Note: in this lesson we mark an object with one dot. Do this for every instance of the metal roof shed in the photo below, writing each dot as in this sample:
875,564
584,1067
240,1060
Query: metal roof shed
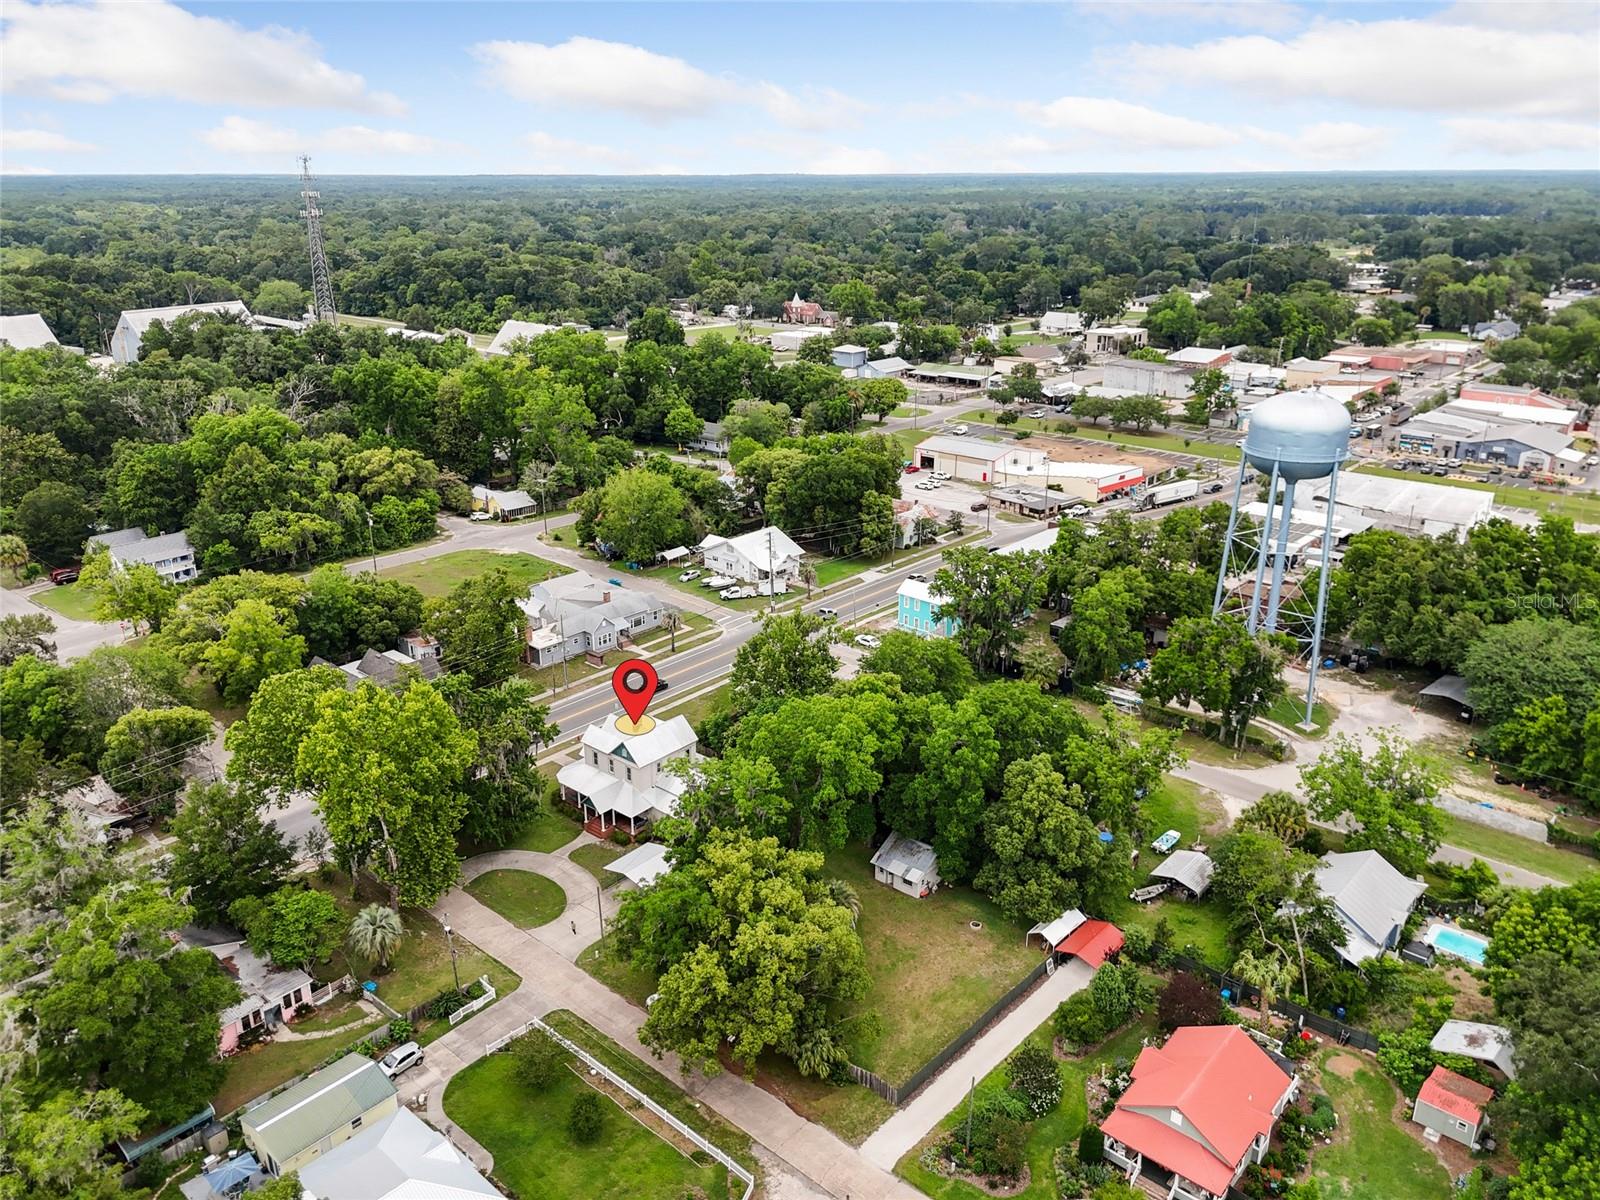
322,1110
1189,868
643,864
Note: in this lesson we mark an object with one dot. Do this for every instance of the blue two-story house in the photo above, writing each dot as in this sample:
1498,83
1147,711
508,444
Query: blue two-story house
918,604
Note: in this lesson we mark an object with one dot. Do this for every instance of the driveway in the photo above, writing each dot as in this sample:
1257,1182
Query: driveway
580,924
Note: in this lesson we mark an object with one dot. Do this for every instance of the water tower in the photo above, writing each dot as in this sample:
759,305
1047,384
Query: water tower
1293,437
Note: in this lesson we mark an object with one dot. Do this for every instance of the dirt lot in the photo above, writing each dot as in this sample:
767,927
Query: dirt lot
1075,450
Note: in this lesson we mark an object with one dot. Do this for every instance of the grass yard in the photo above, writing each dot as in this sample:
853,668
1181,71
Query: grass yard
1373,1158
1291,710
653,1084
525,898
263,1068
595,857
622,977
546,832
1055,1129
1583,507
420,969
1558,863
1202,924
701,707
70,600
850,1110
910,410
932,975
534,1156
1192,810
436,576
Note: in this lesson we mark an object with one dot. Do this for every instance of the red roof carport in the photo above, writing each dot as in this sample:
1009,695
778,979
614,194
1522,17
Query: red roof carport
1093,941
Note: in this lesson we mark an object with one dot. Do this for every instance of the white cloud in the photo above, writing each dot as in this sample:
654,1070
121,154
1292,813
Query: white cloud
590,73
852,160
1270,15
44,140
1515,138
21,169
97,51
1329,142
1120,122
553,155
247,136
1420,65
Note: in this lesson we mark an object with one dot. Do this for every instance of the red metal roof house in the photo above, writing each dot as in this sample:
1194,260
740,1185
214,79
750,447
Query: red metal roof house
1200,1109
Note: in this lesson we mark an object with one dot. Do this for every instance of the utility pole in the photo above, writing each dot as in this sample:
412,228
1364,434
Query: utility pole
372,545
321,286
449,936
772,584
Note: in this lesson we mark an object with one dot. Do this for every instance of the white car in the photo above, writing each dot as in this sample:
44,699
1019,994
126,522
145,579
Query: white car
1078,510
1037,414
939,475
927,485
688,576
868,641
959,430
401,1059
480,516
737,593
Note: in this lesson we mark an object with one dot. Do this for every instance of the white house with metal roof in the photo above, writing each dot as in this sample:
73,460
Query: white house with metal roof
755,557
514,331
134,323
324,1110
576,614
170,554
620,778
907,865
26,331
399,1158
1371,899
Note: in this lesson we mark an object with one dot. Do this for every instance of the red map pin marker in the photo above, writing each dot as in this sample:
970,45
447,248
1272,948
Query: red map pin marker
635,683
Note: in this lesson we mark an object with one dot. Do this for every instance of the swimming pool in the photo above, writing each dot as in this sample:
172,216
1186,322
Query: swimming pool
1459,942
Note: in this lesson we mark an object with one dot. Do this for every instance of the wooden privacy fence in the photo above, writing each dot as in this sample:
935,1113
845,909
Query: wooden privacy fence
898,1095
735,1168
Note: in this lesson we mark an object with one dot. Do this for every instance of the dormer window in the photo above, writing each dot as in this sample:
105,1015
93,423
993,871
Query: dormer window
1177,1118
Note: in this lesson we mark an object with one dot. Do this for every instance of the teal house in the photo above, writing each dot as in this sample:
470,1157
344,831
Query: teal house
918,604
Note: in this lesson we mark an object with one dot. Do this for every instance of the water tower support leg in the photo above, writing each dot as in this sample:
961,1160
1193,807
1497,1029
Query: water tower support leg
1280,557
1227,541
1262,550
1322,600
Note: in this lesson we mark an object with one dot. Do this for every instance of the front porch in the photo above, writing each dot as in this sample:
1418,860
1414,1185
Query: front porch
1151,1178
602,822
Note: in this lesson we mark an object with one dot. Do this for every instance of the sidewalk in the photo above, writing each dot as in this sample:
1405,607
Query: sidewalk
551,982
889,1143
579,926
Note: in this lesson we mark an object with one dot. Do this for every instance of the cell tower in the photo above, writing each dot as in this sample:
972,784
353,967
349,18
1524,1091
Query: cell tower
1293,438
321,287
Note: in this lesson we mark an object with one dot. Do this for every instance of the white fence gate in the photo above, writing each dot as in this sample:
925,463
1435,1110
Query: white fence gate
466,1010
726,1159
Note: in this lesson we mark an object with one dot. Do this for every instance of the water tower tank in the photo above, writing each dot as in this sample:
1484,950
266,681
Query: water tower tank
1307,434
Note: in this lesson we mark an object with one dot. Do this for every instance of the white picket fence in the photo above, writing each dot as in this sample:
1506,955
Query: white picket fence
466,1010
726,1159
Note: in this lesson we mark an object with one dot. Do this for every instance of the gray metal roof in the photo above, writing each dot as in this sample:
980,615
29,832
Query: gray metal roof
320,1103
1473,1039
1188,867
400,1156
1371,898
154,550
1448,687
906,857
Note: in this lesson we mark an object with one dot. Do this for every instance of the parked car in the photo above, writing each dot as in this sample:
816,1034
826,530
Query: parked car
927,485
1211,489
401,1059
1078,510
1592,461
960,431
939,475
688,576
737,593
480,516
978,506
912,468
1497,469
868,641
1167,842
1038,414
63,575
1441,472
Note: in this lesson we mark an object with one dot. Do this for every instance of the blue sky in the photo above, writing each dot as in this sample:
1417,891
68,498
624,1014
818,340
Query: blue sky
596,88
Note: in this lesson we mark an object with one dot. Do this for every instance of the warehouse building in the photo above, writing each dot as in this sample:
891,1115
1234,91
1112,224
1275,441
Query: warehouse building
1409,506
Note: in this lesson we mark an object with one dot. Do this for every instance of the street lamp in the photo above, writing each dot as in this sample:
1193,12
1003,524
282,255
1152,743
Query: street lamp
372,545
449,937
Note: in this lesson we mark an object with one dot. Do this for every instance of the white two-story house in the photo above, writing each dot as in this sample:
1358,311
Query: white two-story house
620,779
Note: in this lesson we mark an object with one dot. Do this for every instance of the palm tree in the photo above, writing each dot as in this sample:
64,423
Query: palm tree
1268,974
13,552
842,894
375,933
808,574
671,619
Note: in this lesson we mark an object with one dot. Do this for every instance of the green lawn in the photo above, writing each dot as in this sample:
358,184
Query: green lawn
525,898
932,974
1045,1136
655,1085
850,1110
594,859
70,600
908,410
1555,861
1583,507
535,1158
1192,810
621,976
258,1070
546,832
1373,1158
436,576
1291,710
701,707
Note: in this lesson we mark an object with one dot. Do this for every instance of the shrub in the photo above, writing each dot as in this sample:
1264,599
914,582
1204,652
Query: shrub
1078,1021
620,837
1091,1144
540,1060
1320,1120
1033,1074
401,1030
587,1119
1137,945
1188,1000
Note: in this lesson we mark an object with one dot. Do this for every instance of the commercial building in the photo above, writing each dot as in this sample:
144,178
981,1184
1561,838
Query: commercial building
767,557
620,777
1092,482
958,374
26,331
883,368
134,323
400,1157
1014,463
792,339
1303,372
325,1109
1561,419
1200,358
578,614
848,357
1454,432
1199,1110
1058,323
1135,376
917,609
170,554
1115,339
